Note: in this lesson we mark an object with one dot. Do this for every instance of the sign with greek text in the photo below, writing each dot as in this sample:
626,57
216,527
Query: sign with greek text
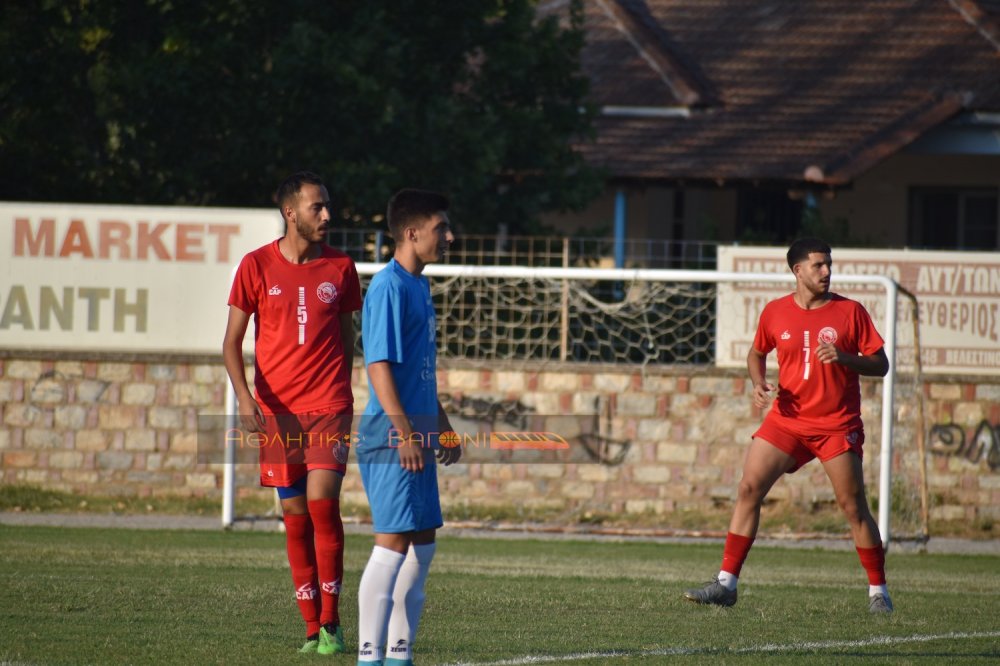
958,295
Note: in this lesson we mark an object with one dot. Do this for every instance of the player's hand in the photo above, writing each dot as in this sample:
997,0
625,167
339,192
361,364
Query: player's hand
827,353
251,416
762,394
411,455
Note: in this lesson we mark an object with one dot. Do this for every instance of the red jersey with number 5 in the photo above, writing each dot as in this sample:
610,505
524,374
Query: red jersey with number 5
816,397
299,357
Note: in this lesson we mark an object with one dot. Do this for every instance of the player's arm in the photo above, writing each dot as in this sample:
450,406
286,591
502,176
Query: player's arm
347,339
411,457
251,415
870,365
757,368
446,456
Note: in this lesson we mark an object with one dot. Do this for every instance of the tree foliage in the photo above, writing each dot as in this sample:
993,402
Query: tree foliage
212,103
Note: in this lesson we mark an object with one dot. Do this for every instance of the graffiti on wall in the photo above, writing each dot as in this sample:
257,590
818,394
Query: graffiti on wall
509,412
593,435
982,442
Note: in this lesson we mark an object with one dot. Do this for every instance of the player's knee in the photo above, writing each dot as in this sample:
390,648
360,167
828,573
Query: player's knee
750,491
853,508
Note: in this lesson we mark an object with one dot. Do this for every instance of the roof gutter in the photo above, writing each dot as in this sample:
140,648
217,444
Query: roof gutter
646,111
978,119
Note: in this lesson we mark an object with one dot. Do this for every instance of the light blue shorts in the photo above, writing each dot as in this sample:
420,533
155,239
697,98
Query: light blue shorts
400,501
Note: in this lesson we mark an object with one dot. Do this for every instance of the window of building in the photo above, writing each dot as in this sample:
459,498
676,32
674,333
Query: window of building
953,218
767,215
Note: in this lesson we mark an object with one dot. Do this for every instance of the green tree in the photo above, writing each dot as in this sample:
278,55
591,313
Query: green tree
212,103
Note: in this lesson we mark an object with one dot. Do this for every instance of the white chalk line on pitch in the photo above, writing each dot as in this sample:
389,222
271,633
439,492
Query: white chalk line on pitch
758,649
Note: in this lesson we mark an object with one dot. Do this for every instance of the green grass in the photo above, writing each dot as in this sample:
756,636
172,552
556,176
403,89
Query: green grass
71,596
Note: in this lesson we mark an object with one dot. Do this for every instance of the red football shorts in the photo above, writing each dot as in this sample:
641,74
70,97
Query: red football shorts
293,444
804,447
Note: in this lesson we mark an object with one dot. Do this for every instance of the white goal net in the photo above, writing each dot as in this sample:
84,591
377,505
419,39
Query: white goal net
566,318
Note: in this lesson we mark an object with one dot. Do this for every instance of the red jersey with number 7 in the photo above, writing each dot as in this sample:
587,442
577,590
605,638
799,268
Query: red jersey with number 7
815,397
299,356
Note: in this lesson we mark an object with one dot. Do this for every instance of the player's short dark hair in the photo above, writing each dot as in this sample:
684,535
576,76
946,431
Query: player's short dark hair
291,186
410,205
803,247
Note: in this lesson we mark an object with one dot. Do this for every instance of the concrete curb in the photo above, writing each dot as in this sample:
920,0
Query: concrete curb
939,545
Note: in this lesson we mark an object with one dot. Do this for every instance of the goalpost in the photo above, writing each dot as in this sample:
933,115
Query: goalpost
648,310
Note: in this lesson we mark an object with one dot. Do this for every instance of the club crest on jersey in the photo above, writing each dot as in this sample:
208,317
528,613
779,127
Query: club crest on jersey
827,335
326,292
274,291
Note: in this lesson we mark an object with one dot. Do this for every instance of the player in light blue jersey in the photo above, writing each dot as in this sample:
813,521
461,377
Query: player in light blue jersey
398,446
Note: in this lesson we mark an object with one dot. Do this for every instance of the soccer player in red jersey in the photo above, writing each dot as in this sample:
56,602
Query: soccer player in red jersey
301,293
824,342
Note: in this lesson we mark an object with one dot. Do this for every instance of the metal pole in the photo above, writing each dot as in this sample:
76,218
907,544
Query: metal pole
229,468
564,314
888,414
620,230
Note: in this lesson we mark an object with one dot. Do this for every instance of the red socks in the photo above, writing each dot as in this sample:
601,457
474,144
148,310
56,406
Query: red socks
873,560
328,531
735,552
302,559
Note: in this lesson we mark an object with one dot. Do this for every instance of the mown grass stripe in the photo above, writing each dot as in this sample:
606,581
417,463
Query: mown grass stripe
807,646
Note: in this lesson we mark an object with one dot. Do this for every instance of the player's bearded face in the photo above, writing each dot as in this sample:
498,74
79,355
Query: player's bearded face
312,215
312,232
814,273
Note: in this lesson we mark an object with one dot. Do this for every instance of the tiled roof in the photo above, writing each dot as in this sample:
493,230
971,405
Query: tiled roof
790,90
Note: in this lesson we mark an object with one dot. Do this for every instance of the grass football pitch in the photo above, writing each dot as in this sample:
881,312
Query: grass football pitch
98,596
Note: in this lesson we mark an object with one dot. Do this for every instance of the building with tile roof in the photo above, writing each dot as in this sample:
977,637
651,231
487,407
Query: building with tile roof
730,118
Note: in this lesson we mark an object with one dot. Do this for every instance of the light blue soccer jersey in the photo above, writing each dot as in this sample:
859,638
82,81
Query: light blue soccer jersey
398,325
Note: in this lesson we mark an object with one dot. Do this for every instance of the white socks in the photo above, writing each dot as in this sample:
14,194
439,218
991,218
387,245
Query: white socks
408,601
375,602
728,580
390,600
878,589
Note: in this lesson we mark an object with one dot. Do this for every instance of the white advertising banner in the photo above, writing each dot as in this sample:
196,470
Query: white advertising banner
958,296
122,278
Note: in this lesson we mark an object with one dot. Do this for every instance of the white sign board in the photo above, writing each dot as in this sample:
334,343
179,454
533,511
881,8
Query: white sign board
958,295
122,278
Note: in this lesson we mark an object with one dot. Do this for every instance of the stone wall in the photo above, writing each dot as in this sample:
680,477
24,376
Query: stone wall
662,440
